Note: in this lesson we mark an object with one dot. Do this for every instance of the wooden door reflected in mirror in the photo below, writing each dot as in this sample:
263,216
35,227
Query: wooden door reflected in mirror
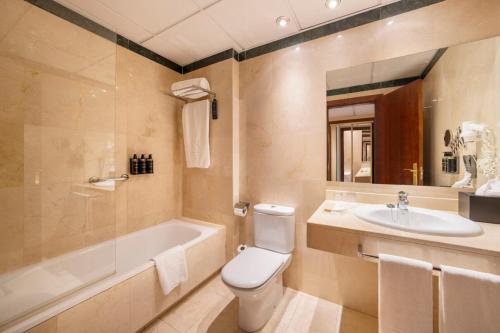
398,121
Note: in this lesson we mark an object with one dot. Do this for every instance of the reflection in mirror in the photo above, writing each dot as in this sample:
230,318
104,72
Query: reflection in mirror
421,119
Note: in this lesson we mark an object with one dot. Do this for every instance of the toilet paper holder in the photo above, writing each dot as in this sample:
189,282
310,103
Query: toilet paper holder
241,208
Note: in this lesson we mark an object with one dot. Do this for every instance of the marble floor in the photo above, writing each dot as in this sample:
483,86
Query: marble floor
212,308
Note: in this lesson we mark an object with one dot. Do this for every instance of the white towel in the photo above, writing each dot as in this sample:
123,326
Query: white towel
469,301
172,268
181,88
404,295
195,125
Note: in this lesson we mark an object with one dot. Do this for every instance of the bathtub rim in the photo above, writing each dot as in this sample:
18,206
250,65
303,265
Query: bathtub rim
78,296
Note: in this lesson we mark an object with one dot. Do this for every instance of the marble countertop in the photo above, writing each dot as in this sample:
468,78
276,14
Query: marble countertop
487,243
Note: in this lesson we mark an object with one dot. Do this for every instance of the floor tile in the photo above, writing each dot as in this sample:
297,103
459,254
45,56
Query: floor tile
192,310
356,322
213,308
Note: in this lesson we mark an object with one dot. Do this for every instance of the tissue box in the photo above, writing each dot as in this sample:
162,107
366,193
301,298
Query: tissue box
479,208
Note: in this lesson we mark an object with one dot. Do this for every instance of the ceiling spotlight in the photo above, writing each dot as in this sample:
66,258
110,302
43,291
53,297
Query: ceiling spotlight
332,3
391,22
282,21
297,48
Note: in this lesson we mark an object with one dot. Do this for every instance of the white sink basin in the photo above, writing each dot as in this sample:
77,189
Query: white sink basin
419,220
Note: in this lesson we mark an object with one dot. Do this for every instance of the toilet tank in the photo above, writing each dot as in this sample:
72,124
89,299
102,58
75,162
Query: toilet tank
274,227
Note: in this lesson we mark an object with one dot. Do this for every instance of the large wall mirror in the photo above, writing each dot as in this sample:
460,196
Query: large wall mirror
424,119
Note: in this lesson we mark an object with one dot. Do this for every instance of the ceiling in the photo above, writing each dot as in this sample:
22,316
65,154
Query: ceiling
188,30
387,70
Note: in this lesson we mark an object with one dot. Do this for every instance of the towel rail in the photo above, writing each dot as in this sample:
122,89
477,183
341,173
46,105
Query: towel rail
361,254
194,90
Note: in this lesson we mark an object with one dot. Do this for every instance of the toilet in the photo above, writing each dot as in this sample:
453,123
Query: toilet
255,275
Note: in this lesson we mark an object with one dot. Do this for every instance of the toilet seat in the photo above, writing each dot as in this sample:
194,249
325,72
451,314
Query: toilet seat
252,268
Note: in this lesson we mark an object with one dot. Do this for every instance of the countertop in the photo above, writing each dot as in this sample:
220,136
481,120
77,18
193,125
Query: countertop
487,243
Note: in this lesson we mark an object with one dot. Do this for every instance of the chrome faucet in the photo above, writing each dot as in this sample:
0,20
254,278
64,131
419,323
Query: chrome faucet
403,200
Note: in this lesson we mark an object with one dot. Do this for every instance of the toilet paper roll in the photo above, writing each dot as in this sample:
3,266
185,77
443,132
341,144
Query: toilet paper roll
241,247
240,211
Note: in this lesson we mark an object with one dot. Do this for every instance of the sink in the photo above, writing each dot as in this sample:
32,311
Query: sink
419,220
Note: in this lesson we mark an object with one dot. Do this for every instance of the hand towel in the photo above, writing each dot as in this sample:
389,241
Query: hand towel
405,295
172,268
469,301
181,88
195,125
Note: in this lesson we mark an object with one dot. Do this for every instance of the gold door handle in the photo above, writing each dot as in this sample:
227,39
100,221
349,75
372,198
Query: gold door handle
414,171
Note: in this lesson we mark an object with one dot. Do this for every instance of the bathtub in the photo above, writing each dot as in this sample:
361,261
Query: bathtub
51,284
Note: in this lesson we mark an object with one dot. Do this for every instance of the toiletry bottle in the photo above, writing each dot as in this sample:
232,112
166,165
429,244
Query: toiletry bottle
134,165
149,164
142,164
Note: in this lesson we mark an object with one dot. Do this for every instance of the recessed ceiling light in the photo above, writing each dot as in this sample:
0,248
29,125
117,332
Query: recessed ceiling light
297,48
391,22
332,3
282,21
339,36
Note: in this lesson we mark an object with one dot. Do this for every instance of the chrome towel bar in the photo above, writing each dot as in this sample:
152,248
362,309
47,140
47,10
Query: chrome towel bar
93,180
361,254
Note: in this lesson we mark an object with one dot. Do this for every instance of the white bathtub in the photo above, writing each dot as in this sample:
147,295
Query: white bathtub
34,286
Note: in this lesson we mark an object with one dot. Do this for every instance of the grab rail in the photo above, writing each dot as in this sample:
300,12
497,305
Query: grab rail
93,179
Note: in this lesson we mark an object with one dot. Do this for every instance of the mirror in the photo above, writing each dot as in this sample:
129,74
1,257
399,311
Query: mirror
421,119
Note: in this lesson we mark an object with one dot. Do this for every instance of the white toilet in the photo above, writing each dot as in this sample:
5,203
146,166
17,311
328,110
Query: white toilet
255,275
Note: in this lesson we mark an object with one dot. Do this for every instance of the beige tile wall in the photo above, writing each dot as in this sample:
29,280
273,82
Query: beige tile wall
57,121
465,81
208,193
74,105
147,121
283,99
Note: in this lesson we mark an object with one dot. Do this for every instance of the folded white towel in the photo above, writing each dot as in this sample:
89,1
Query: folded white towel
405,295
469,301
172,268
195,125
181,88
490,189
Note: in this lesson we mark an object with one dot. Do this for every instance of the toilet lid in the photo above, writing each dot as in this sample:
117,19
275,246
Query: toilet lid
271,209
252,267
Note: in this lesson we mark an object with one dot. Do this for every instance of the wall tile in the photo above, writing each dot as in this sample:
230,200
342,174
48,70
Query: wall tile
283,101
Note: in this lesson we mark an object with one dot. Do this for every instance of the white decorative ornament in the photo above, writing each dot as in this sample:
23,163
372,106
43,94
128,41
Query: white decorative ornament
487,160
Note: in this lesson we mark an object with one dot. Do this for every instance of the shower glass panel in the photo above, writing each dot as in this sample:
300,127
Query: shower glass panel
57,125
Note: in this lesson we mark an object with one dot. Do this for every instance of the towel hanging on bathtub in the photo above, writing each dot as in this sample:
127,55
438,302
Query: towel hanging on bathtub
195,125
172,268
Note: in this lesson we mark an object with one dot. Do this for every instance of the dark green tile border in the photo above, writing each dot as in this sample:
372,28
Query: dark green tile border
134,47
371,86
221,56
73,17
370,16
357,20
439,53
392,83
